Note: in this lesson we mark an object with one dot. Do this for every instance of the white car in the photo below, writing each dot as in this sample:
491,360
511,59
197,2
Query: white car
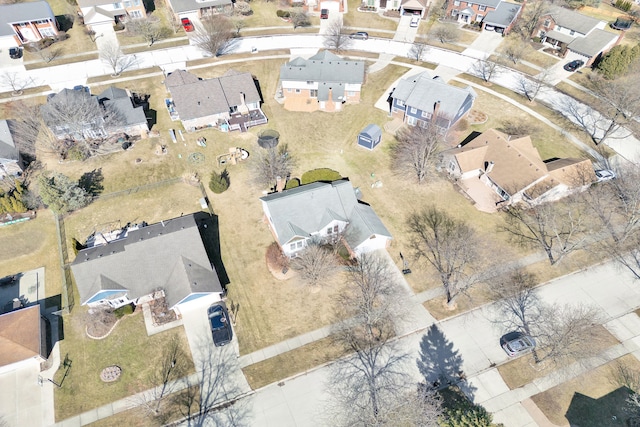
605,175
415,21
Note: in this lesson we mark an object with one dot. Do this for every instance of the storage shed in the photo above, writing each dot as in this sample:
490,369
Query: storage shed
370,137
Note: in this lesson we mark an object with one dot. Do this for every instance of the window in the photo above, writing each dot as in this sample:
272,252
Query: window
329,230
117,5
400,103
42,21
425,114
411,121
479,17
292,247
127,3
313,93
335,228
454,12
47,32
572,33
456,2
452,165
297,90
288,89
135,14
299,244
547,22
136,2
351,93
414,110
482,8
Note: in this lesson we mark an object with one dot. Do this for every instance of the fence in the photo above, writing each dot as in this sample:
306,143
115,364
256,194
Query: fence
68,300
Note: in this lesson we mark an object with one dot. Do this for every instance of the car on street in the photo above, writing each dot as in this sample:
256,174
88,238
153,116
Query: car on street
220,324
360,35
15,52
605,174
415,21
517,344
187,25
573,65
324,14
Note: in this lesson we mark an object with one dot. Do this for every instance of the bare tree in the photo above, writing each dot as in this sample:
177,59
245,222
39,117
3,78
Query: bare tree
365,386
17,81
26,126
238,25
558,228
485,69
315,264
531,16
445,33
416,152
299,18
449,245
49,53
417,50
112,55
530,86
214,34
336,38
271,164
150,28
515,49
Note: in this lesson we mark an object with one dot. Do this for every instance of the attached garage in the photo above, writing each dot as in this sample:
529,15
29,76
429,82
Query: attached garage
413,7
370,137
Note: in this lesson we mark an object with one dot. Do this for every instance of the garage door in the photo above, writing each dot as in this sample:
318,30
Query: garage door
331,5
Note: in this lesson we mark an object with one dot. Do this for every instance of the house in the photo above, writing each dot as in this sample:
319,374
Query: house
10,160
100,15
199,8
584,36
133,120
23,336
513,169
420,99
110,113
497,15
323,82
146,261
321,212
22,23
230,102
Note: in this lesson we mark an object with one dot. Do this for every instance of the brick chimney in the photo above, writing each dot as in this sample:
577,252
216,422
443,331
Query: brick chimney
436,110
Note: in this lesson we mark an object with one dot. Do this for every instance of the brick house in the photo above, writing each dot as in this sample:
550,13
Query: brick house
23,23
323,82
498,14
99,14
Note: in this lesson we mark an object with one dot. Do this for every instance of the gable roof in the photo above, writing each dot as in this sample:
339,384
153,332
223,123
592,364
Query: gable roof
330,71
23,12
119,100
305,210
8,148
180,6
195,98
423,92
168,255
20,335
594,43
503,15
573,20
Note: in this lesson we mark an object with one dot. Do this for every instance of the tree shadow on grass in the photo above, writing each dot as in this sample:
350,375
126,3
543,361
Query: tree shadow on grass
440,364
608,410
92,181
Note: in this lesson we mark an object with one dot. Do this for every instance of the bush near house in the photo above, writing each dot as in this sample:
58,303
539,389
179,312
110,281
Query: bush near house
292,183
617,61
321,174
124,310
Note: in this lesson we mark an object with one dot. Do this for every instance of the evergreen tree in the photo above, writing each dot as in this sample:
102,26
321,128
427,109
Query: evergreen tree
61,194
219,181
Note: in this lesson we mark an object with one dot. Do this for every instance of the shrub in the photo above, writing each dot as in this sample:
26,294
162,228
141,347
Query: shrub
275,258
219,182
121,311
283,13
292,183
617,61
623,5
321,174
537,39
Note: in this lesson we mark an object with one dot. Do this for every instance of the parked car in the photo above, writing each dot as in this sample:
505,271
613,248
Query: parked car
489,27
15,52
574,65
415,21
220,324
605,175
517,344
187,25
324,14
360,35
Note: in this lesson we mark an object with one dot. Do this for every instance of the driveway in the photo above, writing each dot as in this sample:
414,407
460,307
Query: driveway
484,45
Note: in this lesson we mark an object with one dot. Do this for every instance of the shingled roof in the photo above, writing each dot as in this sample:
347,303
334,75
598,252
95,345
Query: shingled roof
21,335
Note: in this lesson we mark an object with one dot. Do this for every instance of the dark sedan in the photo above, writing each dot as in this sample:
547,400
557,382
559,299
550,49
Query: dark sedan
220,324
573,65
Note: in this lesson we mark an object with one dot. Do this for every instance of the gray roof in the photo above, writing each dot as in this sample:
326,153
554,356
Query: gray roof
423,92
504,14
119,100
8,148
181,6
194,98
90,3
168,255
329,70
593,44
304,210
372,130
573,20
561,37
23,12
490,3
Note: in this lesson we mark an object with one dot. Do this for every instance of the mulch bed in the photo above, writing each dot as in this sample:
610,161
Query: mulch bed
160,312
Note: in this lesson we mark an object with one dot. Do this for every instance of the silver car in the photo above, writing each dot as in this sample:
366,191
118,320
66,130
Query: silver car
516,343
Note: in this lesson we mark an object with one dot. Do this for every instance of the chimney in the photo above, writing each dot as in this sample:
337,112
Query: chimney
279,184
488,167
436,109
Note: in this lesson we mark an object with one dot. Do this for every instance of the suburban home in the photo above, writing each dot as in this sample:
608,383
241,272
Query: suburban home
10,160
230,102
496,15
23,337
420,99
110,113
323,82
101,15
22,23
198,9
142,262
320,212
570,31
513,169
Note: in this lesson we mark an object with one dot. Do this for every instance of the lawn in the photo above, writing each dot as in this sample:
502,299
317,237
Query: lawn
590,400
128,347
353,18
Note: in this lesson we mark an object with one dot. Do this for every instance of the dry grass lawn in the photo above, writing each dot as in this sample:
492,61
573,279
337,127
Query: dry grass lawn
523,370
353,18
128,346
585,411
